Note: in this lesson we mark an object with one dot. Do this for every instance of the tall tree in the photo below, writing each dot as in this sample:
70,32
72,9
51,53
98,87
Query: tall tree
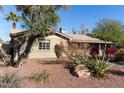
38,19
1,8
74,31
12,16
83,29
109,30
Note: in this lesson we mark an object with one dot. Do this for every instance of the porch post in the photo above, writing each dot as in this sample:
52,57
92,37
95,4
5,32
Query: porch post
76,46
85,45
88,50
100,52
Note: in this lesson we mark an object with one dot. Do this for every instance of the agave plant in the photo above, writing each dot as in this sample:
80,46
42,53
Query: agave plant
99,68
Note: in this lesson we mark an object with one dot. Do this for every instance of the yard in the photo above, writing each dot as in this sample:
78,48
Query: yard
60,76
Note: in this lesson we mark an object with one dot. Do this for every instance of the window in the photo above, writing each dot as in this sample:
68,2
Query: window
44,44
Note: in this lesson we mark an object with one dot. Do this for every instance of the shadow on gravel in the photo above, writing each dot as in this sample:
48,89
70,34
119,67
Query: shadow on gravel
120,63
70,67
117,72
54,62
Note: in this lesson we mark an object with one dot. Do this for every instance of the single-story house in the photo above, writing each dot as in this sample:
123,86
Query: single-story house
44,48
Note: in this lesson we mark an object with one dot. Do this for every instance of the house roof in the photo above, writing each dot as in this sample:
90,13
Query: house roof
71,38
13,31
84,38
16,32
63,35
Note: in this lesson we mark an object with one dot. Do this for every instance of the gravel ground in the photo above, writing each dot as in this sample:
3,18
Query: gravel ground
60,77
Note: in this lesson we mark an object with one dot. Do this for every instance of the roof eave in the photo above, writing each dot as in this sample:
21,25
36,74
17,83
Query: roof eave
83,41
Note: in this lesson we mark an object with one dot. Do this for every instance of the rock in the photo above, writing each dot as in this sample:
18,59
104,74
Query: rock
81,71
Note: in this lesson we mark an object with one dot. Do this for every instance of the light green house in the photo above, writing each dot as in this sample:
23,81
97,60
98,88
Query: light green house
41,48
44,48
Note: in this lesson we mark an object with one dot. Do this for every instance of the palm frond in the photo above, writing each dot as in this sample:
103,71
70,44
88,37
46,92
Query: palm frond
12,16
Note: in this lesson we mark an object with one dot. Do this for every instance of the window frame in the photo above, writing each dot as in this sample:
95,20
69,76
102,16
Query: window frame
45,44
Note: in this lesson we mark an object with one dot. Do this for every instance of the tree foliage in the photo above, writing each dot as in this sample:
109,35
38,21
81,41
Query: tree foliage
1,8
83,30
74,31
109,30
37,19
12,16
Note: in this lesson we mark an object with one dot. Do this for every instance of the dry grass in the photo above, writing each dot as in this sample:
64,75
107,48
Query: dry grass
2,65
10,80
39,76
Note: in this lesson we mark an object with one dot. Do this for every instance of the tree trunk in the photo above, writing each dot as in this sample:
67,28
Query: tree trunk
27,49
14,25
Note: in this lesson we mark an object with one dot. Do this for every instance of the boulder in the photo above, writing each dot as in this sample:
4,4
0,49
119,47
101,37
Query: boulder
81,71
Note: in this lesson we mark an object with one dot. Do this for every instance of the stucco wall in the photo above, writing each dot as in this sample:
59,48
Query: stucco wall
36,53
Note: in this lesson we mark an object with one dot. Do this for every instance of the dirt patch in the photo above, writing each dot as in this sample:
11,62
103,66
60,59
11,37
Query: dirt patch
60,77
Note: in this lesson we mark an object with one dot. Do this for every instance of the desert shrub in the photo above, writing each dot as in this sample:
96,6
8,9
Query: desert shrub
98,68
1,54
6,48
10,80
40,76
2,65
59,49
4,57
81,59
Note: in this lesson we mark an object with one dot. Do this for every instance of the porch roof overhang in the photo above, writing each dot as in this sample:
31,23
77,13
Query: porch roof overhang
86,39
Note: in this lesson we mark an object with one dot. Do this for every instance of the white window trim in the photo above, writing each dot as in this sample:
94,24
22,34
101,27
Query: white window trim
46,48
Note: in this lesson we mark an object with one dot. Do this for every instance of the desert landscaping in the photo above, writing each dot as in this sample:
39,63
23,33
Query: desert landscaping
36,51
60,76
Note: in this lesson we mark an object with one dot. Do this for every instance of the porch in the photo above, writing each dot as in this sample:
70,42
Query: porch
87,48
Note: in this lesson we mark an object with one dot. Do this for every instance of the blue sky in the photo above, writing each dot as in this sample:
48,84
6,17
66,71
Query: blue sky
73,18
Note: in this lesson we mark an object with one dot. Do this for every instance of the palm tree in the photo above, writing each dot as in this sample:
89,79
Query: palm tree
1,8
12,16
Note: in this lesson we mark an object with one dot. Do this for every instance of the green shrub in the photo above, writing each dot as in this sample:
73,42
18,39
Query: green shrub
98,68
59,49
10,80
122,49
6,48
1,54
40,76
2,65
